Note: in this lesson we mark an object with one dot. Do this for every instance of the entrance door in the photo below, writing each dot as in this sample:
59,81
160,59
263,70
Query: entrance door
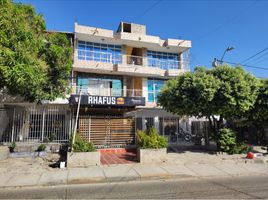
107,131
134,55
134,85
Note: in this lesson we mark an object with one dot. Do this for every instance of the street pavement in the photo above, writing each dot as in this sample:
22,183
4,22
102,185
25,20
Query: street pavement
238,187
23,172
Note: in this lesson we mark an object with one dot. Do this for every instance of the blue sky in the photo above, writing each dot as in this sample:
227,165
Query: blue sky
211,25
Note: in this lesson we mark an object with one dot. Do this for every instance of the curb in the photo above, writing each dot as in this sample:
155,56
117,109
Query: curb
104,180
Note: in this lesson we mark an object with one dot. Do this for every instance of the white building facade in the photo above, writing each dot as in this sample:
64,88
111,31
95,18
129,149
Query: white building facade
120,74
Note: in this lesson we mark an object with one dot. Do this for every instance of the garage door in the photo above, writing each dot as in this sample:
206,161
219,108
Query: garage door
108,131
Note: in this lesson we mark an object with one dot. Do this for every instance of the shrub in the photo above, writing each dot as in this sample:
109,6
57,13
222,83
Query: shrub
41,147
226,140
241,148
12,147
152,140
80,145
46,140
52,137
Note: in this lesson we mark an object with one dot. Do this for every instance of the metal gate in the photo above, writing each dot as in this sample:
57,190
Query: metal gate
37,123
107,131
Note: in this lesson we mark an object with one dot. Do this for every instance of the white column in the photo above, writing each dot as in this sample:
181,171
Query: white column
156,123
124,86
145,88
144,57
124,52
143,123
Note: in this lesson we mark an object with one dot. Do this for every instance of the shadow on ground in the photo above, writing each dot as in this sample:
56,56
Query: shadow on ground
63,157
209,149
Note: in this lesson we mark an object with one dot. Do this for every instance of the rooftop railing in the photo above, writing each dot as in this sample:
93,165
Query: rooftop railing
98,91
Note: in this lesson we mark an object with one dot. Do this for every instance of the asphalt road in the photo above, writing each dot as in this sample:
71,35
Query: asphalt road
255,187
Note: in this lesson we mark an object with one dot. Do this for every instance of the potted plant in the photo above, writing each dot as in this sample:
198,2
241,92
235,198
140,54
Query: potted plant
152,148
83,153
12,147
41,150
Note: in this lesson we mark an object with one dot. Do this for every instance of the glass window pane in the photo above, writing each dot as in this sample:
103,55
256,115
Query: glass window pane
104,45
89,48
81,42
81,53
81,46
96,48
151,97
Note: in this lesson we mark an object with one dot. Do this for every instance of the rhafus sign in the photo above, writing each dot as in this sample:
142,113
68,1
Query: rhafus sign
108,100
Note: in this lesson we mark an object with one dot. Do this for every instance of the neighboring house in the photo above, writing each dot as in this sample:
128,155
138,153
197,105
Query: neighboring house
119,75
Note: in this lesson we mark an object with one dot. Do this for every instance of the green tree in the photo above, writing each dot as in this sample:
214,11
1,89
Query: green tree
224,91
258,116
259,113
33,63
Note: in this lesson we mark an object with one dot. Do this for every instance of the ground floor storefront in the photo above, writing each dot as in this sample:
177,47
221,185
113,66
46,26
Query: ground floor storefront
106,127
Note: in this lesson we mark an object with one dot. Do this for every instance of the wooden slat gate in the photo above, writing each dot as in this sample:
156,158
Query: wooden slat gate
107,131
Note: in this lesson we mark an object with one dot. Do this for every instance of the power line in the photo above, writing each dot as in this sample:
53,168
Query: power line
228,21
149,8
249,66
256,60
254,55
260,61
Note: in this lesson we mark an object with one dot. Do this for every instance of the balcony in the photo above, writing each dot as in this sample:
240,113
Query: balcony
85,90
102,62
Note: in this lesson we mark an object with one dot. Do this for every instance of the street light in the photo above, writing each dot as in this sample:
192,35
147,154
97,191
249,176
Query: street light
228,49
215,62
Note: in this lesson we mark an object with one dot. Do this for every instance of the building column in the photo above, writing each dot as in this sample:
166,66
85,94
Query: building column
145,88
143,123
124,58
181,66
156,123
124,86
144,57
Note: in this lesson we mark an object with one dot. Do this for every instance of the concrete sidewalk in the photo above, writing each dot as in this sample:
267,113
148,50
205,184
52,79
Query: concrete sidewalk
33,176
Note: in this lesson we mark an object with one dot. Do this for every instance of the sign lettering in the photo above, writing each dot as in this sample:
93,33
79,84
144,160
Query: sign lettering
99,100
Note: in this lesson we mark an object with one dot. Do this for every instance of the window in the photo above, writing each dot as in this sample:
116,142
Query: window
99,86
154,87
163,60
99,52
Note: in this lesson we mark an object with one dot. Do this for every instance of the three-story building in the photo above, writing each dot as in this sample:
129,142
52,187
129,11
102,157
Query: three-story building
118,75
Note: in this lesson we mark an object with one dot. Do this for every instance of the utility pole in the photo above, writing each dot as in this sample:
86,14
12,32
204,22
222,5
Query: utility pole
76,119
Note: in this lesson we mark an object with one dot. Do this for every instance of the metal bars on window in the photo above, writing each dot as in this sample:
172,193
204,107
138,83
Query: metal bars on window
35,124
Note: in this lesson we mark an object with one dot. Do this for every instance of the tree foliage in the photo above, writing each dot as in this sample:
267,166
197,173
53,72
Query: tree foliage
224,91
33,63
259,113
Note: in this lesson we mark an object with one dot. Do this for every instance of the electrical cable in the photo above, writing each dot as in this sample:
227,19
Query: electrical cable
227,21
249,66
148,9
247,59
257,59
